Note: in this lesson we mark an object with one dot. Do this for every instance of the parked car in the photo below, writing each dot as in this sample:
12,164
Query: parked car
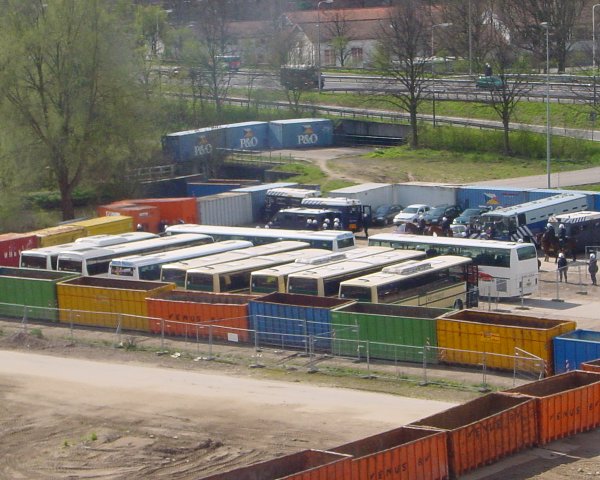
411,213
384,215
491,82
436,214
460,231
469,215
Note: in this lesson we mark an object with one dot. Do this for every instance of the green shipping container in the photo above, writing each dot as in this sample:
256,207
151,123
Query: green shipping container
388,332
33,288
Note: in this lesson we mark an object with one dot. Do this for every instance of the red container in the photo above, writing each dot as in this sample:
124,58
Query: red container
190,313
566,404
401,454
304,465
145,215
591,366
11,246
173,210
486,429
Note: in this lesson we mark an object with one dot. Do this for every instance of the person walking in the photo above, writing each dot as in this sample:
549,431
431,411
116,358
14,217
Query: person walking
593,268
563,266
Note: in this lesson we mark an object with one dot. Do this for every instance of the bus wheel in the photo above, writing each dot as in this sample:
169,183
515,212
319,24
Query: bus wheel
458,304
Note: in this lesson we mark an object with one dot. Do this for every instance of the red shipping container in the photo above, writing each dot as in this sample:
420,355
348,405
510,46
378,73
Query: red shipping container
591,366
145,215
173,210
190,314
404,453
566,404
11,246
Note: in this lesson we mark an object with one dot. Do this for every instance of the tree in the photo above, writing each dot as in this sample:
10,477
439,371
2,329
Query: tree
339,33
68,85
403,41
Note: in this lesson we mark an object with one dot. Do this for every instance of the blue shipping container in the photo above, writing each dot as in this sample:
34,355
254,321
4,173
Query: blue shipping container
204,189
168,187
193,144
287,320
476,196
258,193
574,348
247,136
301,133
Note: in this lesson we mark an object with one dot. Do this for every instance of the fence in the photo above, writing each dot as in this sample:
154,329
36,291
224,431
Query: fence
303,350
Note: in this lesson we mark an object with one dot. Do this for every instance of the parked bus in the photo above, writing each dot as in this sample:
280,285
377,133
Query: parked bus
47,257
285,197
274,279
235,276
527,220
325,281
506,269
329,239
148,267
582,227
175,272
446,281
350,212
95,261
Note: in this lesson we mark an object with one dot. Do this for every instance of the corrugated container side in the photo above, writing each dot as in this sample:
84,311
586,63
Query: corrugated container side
48,237
404,453
300,133
247,136
476,196
114,301
11,246
190,314
193,144
173,210
106,225
573,348
427,193
304,465
566,404
373,194
591,366
382,327
145,215
486,429
497,333
258,194
228,209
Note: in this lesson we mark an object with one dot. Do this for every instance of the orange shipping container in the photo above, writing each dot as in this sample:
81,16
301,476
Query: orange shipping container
566,404
485,429
145,215
106,301
173,210
404,453
190,313
592,366
304,465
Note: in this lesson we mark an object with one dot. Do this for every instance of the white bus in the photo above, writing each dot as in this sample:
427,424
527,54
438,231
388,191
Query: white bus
95,261
175,272
325,281
446,281
235,276
506,269
334,240
47,257
147,267
274,279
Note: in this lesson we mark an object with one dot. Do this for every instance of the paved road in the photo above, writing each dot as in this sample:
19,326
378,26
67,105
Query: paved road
586,176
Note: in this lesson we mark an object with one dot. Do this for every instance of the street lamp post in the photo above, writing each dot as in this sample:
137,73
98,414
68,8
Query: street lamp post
470,43
594,38
319,43
433,27
546,26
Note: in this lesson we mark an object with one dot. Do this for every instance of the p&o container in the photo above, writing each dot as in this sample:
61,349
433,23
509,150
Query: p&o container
573,348
33,289
247,136
300,133
191,313
48,237
226,209
112,225
479,196
108,302
484,430
11,246
288,319
190,145
472,336
566,404
304,465
390,332
404,453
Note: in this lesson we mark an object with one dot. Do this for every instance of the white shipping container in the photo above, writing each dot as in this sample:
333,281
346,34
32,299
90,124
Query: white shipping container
228,208
423,192
374,194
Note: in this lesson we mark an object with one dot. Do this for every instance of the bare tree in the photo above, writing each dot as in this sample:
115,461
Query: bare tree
339,32
402,57
524,17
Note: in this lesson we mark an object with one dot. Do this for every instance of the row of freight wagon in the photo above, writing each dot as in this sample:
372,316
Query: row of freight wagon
453,442
331,325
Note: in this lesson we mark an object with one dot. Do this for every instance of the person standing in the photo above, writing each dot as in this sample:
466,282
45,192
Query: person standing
563,266
593,268
366,223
